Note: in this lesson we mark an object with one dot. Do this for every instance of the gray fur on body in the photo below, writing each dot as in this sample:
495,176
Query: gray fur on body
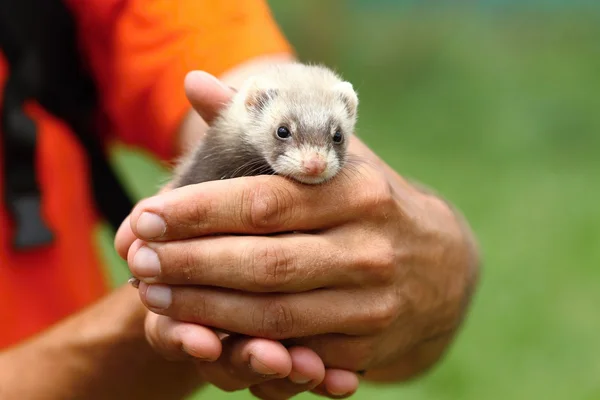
216,159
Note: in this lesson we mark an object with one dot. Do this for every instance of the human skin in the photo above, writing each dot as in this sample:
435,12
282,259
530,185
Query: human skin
379,279
102,352
301,367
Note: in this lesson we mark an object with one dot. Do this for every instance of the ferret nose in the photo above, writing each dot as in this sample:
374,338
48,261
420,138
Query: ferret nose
314,165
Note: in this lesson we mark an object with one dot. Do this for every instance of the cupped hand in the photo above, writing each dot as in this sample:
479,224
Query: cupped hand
366,270
367,274
234,362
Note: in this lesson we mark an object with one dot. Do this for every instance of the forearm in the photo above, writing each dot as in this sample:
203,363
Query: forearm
100,353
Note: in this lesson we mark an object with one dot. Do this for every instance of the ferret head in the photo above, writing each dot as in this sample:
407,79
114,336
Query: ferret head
301,122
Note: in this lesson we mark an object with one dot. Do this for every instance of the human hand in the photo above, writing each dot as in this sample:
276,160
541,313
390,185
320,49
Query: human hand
376,279
237,362
266,367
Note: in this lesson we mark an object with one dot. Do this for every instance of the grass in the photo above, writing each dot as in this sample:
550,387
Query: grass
498,110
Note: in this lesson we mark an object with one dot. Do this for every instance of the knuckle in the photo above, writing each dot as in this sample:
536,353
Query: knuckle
378,197
271,266
275,320
385,312
379,263
267,206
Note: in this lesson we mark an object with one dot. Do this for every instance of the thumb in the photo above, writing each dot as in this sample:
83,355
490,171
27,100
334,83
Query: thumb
207,94
125,237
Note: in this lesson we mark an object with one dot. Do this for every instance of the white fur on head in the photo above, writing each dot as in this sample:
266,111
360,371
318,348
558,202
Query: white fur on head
257,99
348,95
313,94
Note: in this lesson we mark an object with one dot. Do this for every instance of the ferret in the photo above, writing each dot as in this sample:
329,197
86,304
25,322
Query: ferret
292,120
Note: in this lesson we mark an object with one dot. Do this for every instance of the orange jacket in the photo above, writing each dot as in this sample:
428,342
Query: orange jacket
138,53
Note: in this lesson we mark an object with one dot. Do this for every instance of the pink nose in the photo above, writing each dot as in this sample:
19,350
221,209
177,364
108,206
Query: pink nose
314,165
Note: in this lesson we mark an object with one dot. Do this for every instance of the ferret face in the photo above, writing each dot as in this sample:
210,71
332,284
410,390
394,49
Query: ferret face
310,153
303,134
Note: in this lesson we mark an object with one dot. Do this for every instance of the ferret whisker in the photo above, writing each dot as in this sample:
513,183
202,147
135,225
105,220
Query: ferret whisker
248,169
356,160
253,172
350,172
240,169
217,150
351,166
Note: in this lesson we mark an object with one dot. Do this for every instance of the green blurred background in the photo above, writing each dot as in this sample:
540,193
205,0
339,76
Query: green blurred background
496,105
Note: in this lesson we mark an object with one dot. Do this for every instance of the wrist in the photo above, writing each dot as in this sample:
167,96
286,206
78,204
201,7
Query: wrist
462,240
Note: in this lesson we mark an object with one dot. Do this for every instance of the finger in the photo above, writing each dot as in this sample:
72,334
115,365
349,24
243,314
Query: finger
273,316
206,93
178,340
357,351
307,372
246,362
338,384
286,263
124,238
307,367
257,205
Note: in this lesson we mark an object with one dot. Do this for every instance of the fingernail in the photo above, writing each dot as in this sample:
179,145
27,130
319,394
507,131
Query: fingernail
259,367
334,393
145,263
298,378
158,296
150,226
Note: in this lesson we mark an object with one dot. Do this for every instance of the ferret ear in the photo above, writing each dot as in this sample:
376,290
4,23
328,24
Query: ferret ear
348,95
257,99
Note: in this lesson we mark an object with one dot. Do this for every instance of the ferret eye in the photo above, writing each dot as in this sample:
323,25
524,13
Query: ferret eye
338,137
283,132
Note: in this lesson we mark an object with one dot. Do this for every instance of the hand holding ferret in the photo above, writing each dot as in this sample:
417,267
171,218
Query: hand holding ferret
365,270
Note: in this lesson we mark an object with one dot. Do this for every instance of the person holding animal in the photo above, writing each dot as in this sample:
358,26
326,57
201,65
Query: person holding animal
258,283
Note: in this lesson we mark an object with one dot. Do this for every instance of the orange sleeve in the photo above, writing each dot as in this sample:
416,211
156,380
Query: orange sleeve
141,50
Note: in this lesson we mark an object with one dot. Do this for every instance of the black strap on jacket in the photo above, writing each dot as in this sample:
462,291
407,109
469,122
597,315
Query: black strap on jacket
38,39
